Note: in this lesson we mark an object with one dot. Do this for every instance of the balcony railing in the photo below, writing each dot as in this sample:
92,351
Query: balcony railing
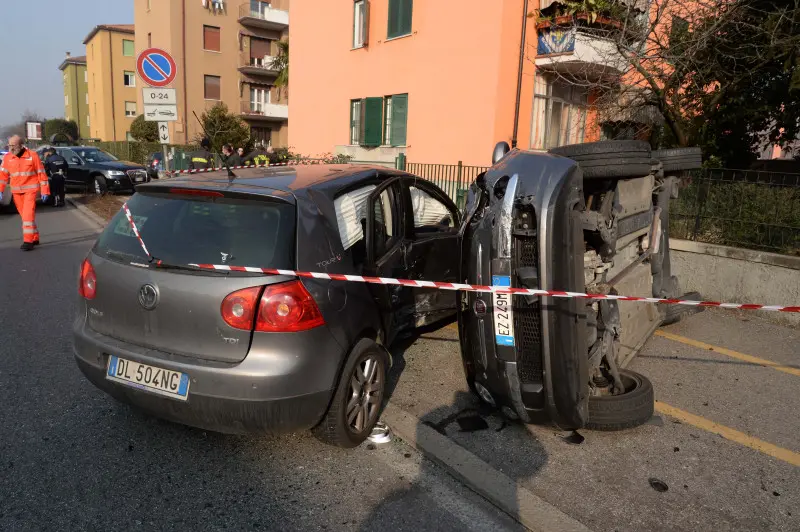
576,51
265,111
257,65
263,16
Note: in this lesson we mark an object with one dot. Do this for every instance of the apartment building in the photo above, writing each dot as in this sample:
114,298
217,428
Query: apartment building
440,81
111,75
223,50
76,92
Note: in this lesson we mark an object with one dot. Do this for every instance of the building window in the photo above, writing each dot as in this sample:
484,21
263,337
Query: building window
260,52
87,98
211,39
355,121
149,40
559,114
86,76
88,123
127,48
395,118
259,98
399,18
130,109
258,8
212,88
130,79
360,23
66,100
261,136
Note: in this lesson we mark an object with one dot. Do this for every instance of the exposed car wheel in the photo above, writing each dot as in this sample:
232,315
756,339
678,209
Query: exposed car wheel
624,411
680,159
358,398
676,313
609,158
99,185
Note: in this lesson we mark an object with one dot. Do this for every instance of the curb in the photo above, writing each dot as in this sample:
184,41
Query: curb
526,508
87,213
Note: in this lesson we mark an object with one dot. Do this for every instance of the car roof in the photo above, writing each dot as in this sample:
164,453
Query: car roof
329,179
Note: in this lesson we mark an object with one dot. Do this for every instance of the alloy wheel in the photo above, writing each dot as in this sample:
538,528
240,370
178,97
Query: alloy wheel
366,393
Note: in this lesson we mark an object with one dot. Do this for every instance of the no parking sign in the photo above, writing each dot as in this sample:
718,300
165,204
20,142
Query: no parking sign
156,67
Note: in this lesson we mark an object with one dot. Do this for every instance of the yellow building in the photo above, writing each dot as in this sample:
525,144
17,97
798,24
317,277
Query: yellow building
223,51
76,92
113,87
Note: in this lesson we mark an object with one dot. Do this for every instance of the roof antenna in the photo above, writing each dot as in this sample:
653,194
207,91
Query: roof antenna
231,175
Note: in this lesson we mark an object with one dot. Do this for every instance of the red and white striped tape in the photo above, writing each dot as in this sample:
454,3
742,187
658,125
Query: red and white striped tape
135,229
493,289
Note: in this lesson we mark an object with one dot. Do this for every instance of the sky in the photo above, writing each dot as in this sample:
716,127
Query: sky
34,38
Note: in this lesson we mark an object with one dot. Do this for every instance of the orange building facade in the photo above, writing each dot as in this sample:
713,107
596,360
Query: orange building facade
437,81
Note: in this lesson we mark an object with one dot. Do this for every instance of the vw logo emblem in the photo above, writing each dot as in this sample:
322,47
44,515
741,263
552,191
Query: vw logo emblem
148,297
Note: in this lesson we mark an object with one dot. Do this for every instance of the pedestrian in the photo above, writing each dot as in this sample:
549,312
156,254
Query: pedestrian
56,167
23,170
202,159
230,157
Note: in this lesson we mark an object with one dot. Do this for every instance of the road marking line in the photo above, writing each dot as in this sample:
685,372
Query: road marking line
741,438
729,352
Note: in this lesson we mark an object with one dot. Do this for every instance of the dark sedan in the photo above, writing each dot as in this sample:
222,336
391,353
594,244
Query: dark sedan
93,169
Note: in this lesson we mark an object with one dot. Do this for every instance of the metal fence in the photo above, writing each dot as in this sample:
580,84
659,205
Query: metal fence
454,179
740,208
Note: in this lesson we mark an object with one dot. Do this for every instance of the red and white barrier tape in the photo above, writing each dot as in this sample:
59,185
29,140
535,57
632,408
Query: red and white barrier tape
135,230
493,289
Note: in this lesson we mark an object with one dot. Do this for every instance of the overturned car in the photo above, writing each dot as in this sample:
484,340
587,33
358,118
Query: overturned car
584,218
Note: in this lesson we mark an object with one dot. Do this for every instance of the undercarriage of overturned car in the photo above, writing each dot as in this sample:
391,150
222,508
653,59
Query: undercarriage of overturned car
588,218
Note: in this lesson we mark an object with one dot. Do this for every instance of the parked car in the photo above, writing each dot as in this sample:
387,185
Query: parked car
234,351
592,218
93,169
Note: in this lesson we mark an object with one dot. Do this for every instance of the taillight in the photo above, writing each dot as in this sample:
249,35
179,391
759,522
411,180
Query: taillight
239,308
87,287
284,307
288,307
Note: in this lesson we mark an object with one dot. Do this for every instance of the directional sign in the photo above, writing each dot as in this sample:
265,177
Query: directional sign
156,67
160,113
163,133
159,97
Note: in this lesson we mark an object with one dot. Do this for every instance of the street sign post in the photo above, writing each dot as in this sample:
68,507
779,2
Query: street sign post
160,113
163,133
156,67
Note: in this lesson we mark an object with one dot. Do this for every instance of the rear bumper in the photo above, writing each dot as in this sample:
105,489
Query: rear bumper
230,398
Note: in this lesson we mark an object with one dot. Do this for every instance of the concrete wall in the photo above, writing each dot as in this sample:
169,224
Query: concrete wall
735,275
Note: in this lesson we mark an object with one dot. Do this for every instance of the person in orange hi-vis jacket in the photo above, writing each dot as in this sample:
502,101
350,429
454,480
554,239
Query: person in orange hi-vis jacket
24,171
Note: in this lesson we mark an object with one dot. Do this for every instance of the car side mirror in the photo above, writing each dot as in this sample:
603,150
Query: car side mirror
500,150
75,160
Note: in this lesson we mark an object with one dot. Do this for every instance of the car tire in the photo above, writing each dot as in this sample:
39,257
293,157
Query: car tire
678,159
99,185
338,427
609,158
628,410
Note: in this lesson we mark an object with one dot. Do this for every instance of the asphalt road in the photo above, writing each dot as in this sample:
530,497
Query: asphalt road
73,459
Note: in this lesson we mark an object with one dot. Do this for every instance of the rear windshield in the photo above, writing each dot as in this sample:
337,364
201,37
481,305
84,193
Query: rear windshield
182,230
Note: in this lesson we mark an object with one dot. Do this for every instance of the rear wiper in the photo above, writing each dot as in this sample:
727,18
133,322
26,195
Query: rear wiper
159,264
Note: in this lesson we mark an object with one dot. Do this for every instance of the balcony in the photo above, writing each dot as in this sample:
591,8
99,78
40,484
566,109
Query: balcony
259,111
578,52
263,16
257,66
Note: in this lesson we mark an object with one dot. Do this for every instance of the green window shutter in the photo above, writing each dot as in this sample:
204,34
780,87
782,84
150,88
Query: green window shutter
373,122
399,119
399,18
127,48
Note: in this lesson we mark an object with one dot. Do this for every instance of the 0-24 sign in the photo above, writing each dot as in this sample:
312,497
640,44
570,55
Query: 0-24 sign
153,96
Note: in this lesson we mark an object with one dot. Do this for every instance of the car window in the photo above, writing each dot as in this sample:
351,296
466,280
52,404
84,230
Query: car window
383,216
197,230
430,214
93,155
66,154
351,215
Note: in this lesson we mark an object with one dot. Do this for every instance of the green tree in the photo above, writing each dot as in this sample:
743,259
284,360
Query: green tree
224,127
143,130
281,63
56,126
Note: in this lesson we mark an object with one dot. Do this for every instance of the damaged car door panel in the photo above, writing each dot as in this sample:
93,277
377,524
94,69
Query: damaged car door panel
535,220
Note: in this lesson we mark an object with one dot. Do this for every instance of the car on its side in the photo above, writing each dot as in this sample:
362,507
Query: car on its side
96,170
199,334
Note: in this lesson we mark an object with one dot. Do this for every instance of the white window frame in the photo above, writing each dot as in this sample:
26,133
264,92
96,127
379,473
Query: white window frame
129,78
387,120
86,76
574,108
260,97
359,23
355,125
130,114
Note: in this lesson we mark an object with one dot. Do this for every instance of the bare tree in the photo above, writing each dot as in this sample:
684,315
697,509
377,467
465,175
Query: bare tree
645,62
